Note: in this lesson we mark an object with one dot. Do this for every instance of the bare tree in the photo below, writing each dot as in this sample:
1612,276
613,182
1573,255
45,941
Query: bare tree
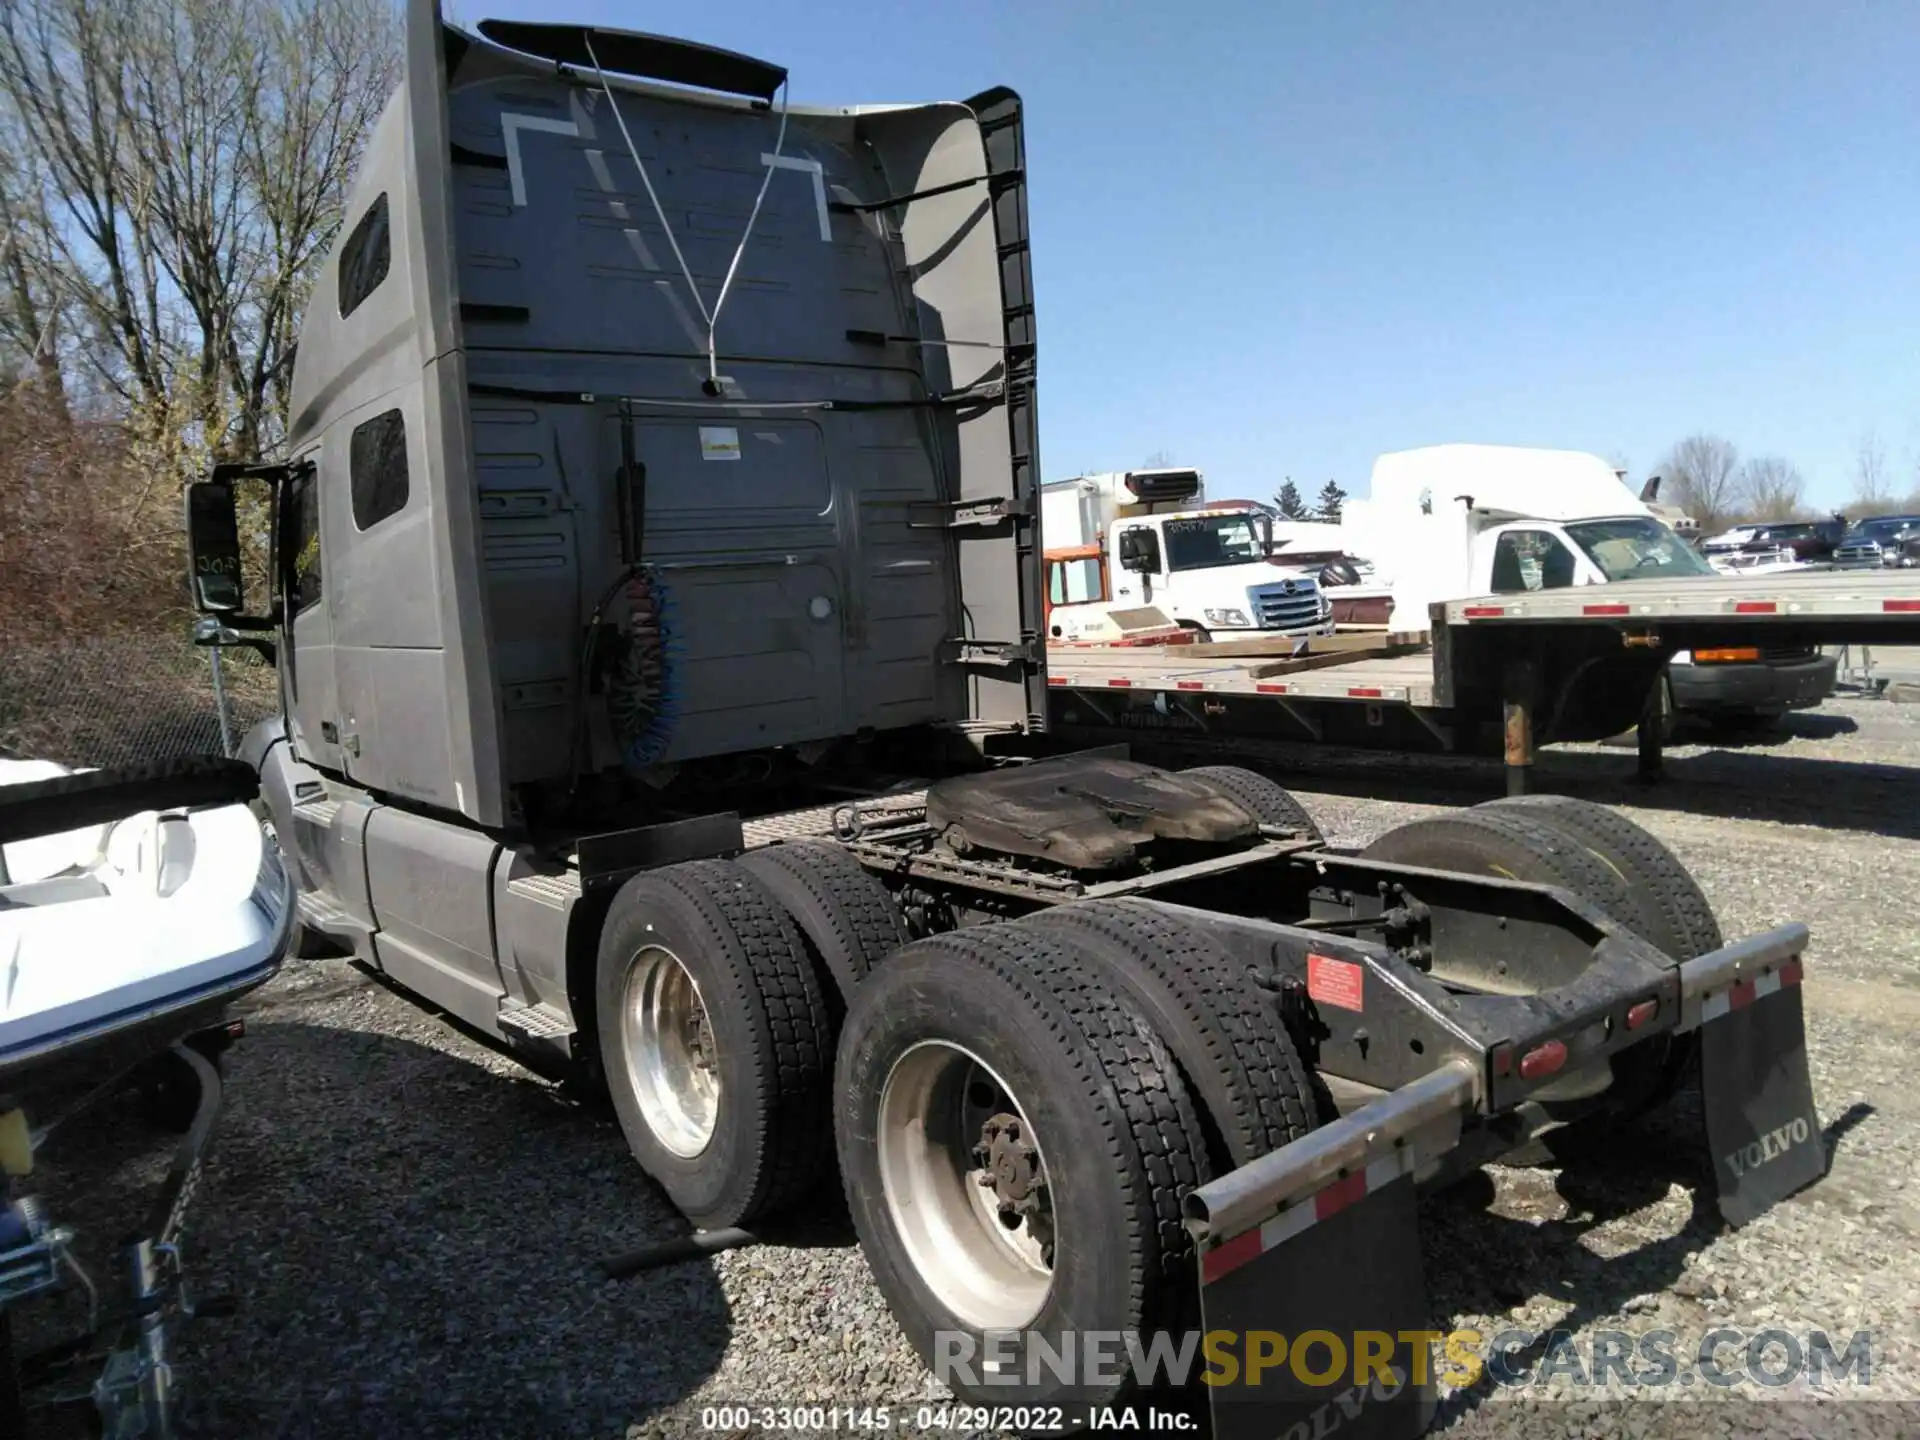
186,161
1159,460
1771,488
1698,476
31,311
1872,476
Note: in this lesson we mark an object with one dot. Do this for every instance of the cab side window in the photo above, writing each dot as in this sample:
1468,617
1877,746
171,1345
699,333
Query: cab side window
1082,580
301,496
1530,560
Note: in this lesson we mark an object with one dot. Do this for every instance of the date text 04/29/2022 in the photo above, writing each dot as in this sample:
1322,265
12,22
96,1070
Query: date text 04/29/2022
945,1419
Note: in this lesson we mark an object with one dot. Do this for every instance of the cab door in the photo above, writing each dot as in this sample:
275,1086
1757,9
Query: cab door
308,687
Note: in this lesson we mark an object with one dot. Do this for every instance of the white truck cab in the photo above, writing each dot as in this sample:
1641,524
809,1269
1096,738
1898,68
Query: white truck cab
1131,539
1448,521
1452,521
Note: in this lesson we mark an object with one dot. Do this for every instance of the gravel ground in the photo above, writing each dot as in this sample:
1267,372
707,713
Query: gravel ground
411,1221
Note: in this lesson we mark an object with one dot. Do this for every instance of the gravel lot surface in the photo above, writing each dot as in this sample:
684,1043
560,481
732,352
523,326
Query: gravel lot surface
411,1220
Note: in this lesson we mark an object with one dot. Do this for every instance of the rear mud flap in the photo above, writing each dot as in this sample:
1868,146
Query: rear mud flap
1305,1337
1311,1286
1757,1093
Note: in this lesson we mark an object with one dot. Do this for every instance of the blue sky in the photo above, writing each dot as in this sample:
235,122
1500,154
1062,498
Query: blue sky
1278,239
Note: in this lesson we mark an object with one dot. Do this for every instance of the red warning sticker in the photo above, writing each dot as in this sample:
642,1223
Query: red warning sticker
1334,982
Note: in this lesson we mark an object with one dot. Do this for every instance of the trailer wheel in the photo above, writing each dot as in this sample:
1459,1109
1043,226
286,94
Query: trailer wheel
846,916
1269,803
715,1040
1224,1033
1015,1142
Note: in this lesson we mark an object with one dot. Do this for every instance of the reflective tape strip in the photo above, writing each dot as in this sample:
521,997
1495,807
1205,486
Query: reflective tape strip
1189,685
1743,993
1303,1215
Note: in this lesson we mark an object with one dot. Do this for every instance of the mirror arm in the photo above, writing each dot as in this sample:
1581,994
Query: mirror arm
229,472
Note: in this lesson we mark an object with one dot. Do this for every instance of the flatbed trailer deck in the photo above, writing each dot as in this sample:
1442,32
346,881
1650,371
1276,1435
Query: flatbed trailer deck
1515,671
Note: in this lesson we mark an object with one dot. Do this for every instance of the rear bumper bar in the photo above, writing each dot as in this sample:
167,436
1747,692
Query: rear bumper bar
1418,1123
1351,1184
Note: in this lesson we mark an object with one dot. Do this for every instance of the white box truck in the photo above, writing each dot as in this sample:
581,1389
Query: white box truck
1136,538
1446,522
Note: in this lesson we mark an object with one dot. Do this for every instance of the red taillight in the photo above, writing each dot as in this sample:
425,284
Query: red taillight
236,1029
1542,1060
1639,1014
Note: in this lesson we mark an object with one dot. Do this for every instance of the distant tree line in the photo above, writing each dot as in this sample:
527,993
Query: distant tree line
1706,476
1289,503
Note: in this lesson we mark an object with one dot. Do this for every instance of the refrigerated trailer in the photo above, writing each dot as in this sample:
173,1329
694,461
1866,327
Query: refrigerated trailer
655,592
1502,672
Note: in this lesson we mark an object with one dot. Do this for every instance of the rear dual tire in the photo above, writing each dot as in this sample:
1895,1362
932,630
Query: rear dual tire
716,1041
1136,1063
1104,1105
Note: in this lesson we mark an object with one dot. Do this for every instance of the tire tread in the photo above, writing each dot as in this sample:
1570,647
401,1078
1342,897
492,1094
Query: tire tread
1270,802
1244,1056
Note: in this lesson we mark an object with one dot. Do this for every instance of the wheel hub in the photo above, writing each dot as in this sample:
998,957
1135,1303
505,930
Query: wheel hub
671,1055
1009,1165
966,1182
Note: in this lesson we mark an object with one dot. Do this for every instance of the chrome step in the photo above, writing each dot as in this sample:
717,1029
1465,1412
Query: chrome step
533,1022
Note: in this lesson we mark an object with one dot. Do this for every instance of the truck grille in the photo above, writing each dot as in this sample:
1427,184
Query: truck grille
1288,605
1867,554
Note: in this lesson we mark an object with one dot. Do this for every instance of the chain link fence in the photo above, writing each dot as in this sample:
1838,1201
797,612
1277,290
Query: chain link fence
121,699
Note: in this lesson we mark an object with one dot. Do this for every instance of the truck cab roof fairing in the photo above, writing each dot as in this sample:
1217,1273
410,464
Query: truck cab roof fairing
649,57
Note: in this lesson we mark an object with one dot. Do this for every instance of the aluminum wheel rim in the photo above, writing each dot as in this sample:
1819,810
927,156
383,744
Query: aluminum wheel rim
990,1274
670,1054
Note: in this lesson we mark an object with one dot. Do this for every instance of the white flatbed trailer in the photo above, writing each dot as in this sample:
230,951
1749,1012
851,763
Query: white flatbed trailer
1574,664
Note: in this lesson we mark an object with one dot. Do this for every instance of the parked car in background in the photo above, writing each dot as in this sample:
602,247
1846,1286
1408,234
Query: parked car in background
1809,539
1883,540
1789,542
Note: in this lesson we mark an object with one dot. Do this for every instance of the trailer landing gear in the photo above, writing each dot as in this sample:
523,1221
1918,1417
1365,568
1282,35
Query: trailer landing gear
1517,706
